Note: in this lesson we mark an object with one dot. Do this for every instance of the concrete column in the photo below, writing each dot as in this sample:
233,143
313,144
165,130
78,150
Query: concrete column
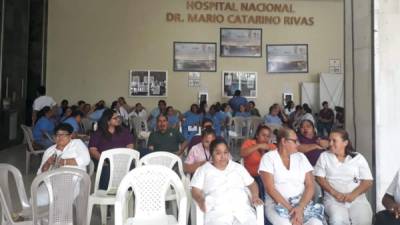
387,92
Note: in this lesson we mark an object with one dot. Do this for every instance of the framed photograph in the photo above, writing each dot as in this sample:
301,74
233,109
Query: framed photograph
286,97
240,42
246,82
195,56
291,58
147,83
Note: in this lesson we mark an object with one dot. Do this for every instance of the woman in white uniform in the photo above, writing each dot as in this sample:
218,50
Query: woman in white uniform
288,181
344,176
391,201
220,187
66,152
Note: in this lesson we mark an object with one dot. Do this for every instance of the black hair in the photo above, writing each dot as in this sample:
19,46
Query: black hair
215,143
64,102
76,113
194,105
43,112
349,150
41,90
81,102
252,102
103,123
99,105
206,120
162,102
64,127
208,131
307,108
223,106
237,93
114,105
324,102
202,107
298,107
260,128
161,115
74,107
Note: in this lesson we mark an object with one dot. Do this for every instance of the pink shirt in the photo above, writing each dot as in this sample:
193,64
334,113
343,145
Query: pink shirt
197,154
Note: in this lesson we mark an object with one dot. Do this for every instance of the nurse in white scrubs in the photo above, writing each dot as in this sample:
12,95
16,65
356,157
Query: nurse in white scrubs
345,176
289,183
220,188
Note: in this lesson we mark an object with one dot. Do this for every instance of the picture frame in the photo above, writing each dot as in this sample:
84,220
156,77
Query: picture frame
195,56
148,83
241,42
244,81
286,97
287,58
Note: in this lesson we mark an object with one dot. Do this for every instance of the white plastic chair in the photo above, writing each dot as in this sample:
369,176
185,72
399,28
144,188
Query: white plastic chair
140,128
7,203
199,215
149,184
86,124
120,161
172,162
238,132
252,124
28,137
68,191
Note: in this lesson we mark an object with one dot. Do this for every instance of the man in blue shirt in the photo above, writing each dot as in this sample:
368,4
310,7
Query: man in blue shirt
236,101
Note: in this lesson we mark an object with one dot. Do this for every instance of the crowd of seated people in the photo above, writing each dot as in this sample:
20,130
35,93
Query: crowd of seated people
281,172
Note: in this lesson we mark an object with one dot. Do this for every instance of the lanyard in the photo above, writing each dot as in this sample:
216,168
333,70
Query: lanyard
205,154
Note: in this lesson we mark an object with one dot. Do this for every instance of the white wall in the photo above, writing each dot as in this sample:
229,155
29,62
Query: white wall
93,44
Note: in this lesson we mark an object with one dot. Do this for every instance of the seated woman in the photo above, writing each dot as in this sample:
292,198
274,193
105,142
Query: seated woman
173,120
252,109
273,117
310,144
43,125
253,149
199,153
344,176
242,112
391,202
191,121
219,189
110,134
289,183
66,152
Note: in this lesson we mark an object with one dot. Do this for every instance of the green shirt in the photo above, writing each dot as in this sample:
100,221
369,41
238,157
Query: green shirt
168,141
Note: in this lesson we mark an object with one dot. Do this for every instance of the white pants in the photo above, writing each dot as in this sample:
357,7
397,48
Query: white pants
230,220
276,219
358,212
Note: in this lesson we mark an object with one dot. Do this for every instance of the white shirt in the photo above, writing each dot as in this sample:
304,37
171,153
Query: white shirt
289,183
123,113
43,101
224,190
342,176
394,188
75,149
142,114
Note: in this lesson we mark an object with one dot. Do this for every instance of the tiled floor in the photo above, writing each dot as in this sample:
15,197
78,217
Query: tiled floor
16,157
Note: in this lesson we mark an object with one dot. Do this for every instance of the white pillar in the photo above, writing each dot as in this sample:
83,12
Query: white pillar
387,93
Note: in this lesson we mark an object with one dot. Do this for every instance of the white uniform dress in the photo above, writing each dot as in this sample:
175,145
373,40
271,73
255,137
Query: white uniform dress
226,198
43,101
74,149
288,182
394,188
344,177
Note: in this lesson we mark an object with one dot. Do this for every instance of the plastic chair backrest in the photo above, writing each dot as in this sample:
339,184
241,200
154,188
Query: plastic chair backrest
120,161
28,136
166,159
90,168
253,123
149,184
238,124
68,191
86,124
139,124
5,171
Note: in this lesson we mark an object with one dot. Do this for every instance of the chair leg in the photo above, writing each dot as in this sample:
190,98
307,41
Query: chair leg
89,213
103,214
27,162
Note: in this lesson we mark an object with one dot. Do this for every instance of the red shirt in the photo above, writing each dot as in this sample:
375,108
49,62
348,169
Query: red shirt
252,161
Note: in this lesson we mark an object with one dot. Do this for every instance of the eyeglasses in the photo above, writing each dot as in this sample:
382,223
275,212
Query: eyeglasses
294,140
